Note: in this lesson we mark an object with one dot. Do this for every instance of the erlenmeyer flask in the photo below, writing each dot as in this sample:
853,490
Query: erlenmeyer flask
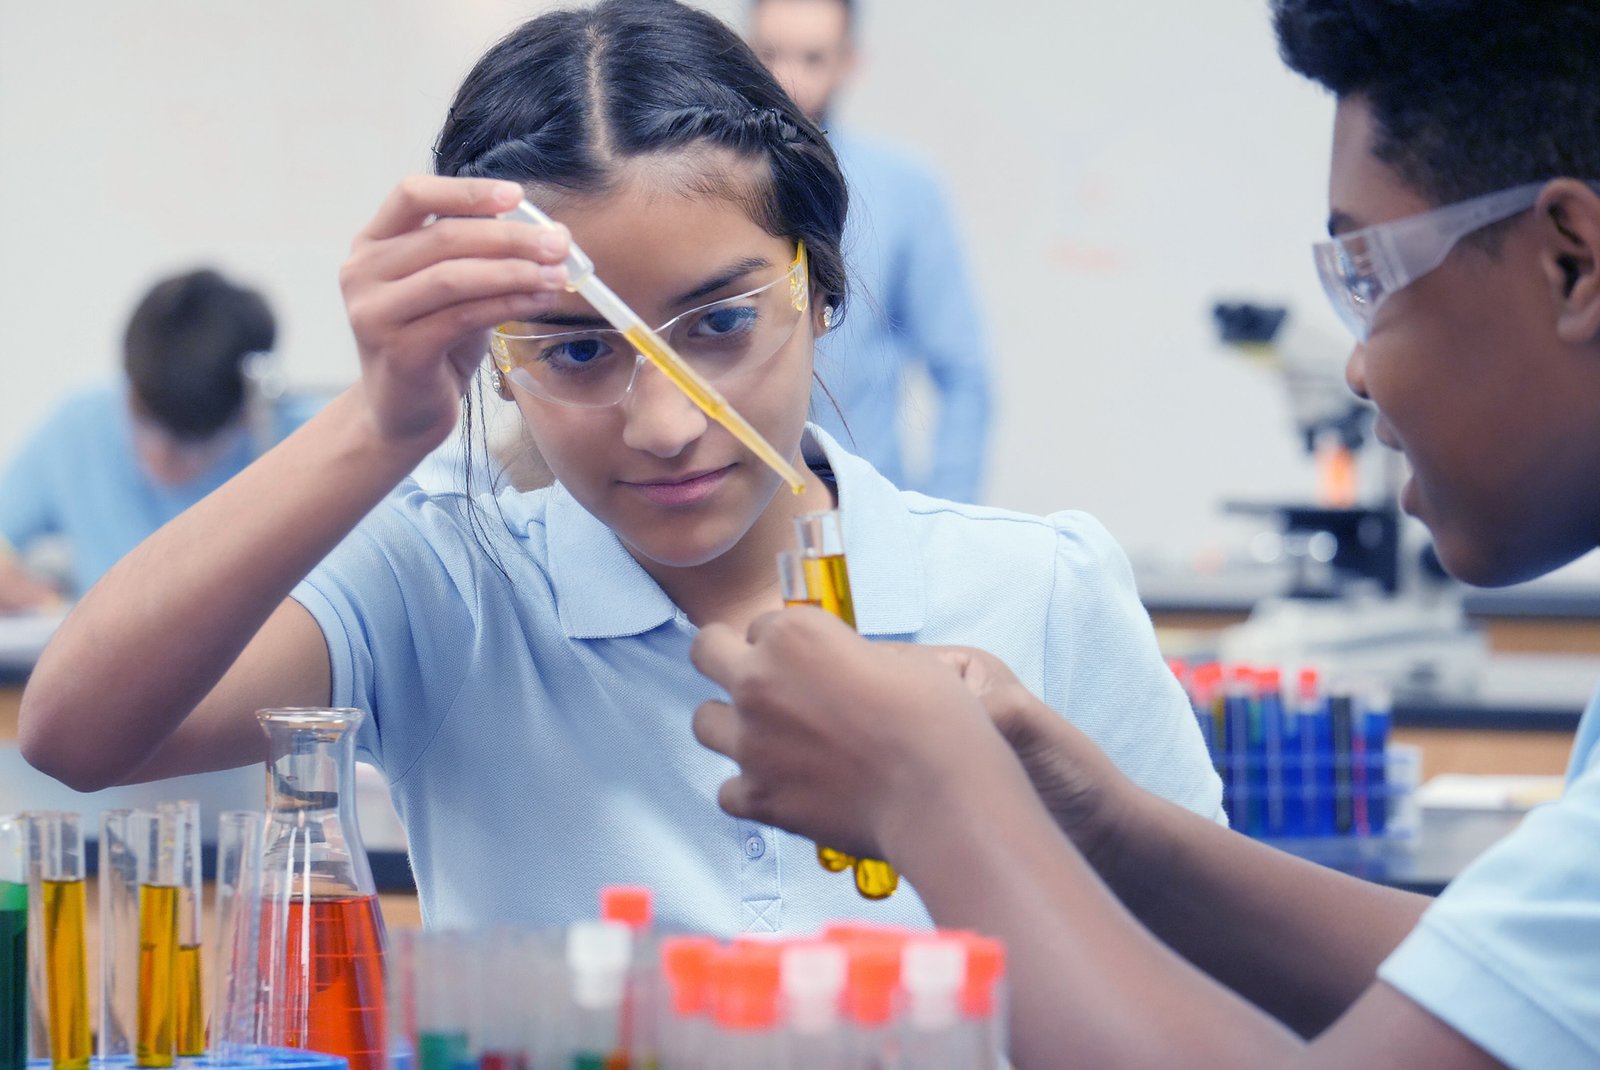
321,932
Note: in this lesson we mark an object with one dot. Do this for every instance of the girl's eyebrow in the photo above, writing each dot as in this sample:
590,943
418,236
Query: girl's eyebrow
733,271
582,321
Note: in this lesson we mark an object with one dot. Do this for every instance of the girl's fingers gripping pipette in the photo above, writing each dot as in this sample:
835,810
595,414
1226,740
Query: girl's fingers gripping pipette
582,279
423,284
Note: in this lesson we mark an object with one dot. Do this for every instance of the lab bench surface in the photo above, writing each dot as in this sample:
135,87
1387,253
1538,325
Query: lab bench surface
1448,842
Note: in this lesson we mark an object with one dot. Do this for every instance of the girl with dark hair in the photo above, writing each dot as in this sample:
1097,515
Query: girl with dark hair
530,693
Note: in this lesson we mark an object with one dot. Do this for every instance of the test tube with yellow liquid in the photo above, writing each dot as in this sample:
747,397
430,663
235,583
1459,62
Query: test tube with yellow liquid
827,583
188,1005
58,852
157,843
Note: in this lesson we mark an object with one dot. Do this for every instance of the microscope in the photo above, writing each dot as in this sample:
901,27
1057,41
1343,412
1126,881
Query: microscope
1360,604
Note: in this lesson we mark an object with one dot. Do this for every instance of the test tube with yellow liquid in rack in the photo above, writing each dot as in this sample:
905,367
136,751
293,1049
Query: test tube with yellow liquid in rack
57,849
827,583
188,1003
156,842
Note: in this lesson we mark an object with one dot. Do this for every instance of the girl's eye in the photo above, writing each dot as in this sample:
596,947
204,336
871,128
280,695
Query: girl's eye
729,321
575,353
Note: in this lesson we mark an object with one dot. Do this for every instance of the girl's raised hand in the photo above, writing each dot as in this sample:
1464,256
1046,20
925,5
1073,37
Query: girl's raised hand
426,280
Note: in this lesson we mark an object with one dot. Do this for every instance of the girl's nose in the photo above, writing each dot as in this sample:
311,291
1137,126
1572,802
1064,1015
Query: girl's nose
657,417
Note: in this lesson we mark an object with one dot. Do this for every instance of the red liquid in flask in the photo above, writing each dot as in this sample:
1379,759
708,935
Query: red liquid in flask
345,1002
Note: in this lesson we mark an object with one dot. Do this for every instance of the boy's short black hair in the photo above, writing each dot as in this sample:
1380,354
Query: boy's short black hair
1468,96
183,349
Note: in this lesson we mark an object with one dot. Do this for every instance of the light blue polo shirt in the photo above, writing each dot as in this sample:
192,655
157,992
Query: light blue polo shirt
1509,954
534,723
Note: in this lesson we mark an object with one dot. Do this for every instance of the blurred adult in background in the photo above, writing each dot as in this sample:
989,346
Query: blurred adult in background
115,461
911,301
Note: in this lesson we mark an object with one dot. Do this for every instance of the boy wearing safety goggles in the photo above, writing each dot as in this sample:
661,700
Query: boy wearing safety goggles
1465,255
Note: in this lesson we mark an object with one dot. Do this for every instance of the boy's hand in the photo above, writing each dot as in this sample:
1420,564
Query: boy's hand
850,743
1083,789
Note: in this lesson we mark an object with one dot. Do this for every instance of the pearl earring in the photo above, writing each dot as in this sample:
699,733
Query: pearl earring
496,383
827,317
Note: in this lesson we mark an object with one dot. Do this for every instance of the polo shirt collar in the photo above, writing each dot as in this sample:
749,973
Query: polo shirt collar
603,593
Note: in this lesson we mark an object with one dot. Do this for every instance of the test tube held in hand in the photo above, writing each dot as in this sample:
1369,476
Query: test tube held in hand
827,578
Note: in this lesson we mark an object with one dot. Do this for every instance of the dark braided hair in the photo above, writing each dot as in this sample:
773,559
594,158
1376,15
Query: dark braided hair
566,97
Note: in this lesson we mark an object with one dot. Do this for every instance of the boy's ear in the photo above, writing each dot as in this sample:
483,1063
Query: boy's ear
1571,257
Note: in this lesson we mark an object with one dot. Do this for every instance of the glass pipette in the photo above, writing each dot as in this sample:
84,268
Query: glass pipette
582,279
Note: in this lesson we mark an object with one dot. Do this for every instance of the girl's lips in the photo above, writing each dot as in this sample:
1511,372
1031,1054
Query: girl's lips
683,491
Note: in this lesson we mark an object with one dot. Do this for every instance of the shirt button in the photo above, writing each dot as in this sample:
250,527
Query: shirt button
754,846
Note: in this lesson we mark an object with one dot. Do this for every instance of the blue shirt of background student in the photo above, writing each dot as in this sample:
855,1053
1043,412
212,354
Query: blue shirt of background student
531,710
910,304
77,476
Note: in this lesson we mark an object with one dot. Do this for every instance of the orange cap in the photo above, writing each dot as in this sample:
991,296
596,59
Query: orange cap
846,931
745,982
986,964
686,962
626,904
873,976
1309,682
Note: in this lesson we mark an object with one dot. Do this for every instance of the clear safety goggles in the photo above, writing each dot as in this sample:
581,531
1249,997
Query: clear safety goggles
594,369
1360,270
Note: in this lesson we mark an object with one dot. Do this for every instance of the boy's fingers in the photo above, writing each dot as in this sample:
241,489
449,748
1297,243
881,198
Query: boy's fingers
716,726
716,651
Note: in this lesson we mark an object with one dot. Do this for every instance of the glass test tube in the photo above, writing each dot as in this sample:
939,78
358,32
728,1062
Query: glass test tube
188,996
13,942
792,580
157,840
58,850
118,878
441,962
821,539
827,577
234,1021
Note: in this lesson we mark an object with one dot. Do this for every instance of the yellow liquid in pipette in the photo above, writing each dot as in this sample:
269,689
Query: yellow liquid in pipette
828,581
66,974
673,367
158,951
187,1008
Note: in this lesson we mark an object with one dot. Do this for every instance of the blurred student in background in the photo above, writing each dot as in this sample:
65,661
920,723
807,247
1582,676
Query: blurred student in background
115,461
912,304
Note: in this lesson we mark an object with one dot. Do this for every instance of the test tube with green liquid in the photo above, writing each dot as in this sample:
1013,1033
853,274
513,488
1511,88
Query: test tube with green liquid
13,942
